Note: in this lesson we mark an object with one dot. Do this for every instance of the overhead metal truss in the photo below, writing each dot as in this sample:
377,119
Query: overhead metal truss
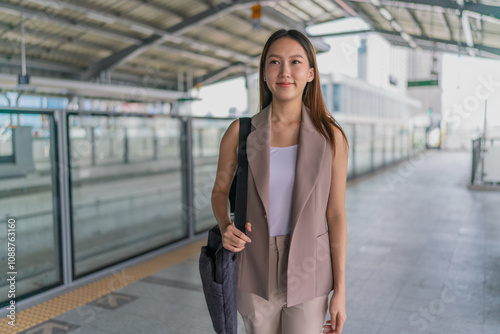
454,23
205,41
96,28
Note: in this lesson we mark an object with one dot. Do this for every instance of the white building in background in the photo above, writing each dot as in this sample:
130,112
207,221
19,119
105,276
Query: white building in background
368,57
365,75
357,98
386,65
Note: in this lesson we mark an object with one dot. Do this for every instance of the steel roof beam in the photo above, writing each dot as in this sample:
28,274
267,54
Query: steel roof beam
274,18
122,56
464,19
58,38
346,8
116,59
208,15
183,17
175,32
140,80
271,17
141,46
152,72
416,21
487,10
445,23
463,11
360,13
7,28
401,42
419,4
147,81
279,6
308,16
320,6
450,48
180,52
50,18
344,33
202,18
194,56
158,36
42,64
163,62
396,26
161,7
264,23
277,19
42,50
488,49
479,27
222,73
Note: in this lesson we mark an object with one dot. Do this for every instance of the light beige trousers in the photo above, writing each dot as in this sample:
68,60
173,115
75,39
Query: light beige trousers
272,316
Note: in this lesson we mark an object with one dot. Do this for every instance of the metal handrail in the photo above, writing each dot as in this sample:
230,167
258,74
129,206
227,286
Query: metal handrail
476,156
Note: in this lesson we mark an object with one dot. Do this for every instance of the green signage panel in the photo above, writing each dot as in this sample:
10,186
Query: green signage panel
423,83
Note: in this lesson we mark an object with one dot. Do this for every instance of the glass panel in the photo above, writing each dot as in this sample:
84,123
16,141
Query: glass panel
419,138
349,132
397,143
389,133
378,146
324,91
6,143
207,134
3,100
56,102
126,187
404,142
28,101
28,191
363,148
336,97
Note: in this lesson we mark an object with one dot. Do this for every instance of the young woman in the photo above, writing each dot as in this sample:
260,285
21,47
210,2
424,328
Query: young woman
294,252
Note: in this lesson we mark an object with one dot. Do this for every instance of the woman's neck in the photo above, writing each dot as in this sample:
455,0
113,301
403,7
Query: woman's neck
286,113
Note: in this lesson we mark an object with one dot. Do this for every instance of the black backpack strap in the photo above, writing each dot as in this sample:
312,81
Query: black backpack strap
238,192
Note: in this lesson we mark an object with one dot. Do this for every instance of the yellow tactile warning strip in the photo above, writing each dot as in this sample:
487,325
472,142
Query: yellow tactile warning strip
52,308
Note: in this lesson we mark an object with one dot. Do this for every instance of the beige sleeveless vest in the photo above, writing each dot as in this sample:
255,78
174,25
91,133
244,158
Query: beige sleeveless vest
310,272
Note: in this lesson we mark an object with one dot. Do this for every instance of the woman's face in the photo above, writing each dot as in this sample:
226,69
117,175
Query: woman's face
287,70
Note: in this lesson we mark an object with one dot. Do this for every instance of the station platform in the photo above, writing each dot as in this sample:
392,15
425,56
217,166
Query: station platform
423,257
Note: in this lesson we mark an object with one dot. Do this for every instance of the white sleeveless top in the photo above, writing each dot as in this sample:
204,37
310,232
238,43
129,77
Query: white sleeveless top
281,181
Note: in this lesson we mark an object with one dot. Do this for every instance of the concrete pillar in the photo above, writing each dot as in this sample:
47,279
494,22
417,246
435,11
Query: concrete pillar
180,81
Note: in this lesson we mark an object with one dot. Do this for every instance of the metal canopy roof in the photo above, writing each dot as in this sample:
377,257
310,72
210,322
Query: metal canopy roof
167,44
465,27
154,43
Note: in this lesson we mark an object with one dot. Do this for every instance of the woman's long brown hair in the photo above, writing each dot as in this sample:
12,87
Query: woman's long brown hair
312,96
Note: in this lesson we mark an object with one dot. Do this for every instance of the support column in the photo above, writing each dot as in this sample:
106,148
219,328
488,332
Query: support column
252,86
180,81
187,175
189,80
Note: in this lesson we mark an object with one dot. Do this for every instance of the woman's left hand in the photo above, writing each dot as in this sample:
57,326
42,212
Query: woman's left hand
337,314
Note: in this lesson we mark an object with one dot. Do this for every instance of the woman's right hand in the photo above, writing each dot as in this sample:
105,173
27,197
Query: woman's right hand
233,239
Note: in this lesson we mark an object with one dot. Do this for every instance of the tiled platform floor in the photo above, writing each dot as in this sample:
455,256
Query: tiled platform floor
423,257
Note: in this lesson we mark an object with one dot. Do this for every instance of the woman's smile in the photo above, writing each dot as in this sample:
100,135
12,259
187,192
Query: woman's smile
285,84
